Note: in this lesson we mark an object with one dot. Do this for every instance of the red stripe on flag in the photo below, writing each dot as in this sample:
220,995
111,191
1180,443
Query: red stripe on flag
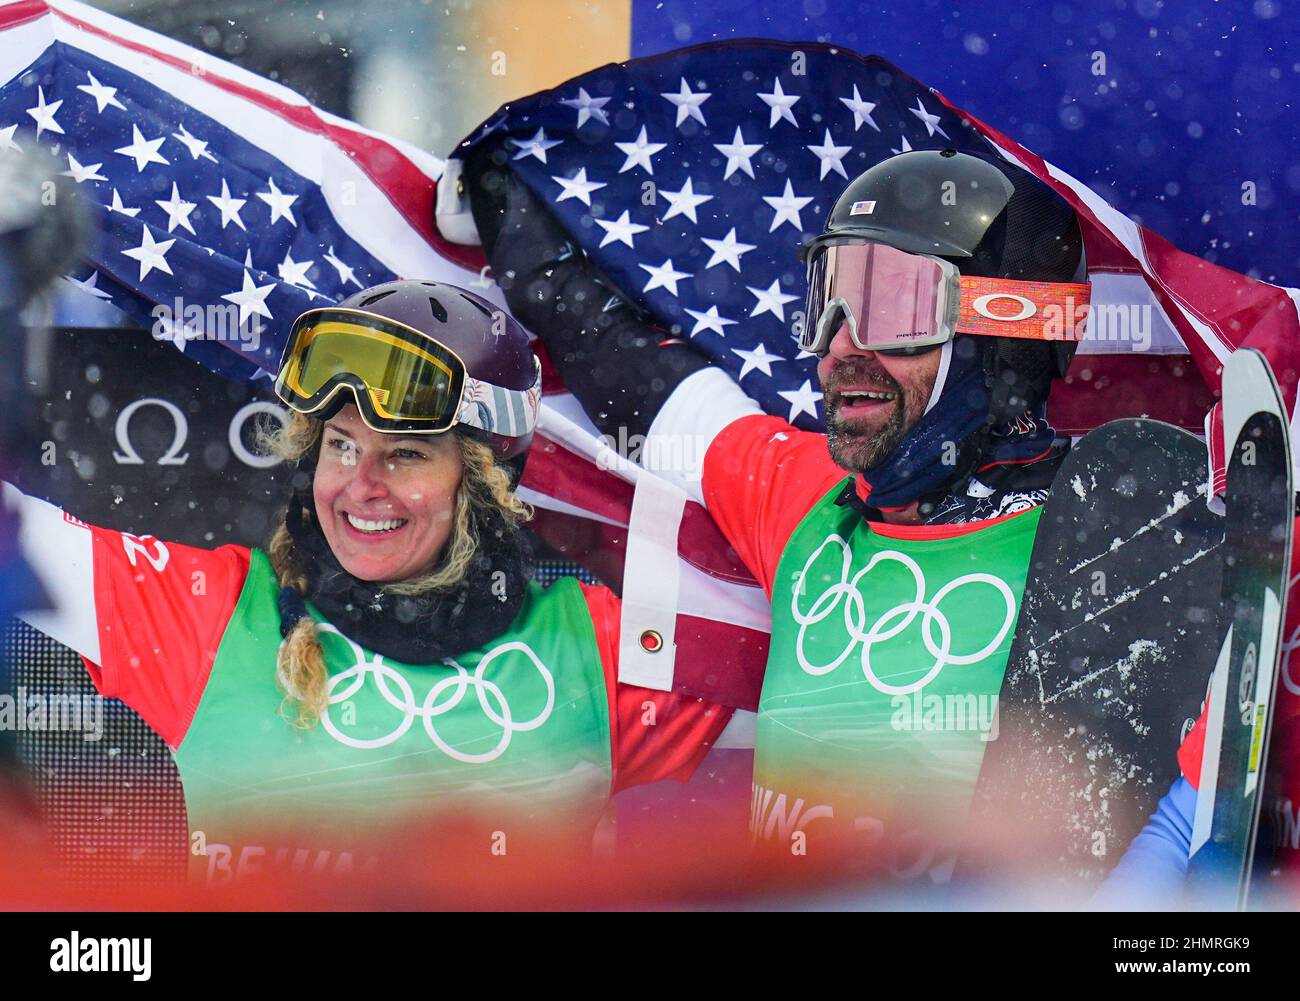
1101,388
1242,311
720,662
18,13
565,476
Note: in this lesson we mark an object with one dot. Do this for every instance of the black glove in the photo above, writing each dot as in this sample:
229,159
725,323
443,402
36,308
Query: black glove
619,365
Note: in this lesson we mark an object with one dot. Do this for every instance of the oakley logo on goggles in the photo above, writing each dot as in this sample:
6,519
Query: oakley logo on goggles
403,380
897,303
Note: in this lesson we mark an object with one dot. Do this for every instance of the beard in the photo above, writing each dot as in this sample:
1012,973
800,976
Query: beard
861,444
862,450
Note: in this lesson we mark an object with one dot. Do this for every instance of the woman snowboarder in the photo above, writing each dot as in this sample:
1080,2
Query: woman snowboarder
388,653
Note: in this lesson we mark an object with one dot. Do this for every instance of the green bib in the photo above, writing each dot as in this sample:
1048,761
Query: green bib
518,729
886,661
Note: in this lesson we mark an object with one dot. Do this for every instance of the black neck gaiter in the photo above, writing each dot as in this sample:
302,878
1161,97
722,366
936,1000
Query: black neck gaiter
413,629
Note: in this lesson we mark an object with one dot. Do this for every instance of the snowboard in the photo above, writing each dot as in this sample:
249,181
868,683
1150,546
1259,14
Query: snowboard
1260,505
1112,656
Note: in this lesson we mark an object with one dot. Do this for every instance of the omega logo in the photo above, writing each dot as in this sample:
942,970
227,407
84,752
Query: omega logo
127,455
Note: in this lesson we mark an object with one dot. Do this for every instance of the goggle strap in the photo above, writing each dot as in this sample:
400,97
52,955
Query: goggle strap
1041,311
509,412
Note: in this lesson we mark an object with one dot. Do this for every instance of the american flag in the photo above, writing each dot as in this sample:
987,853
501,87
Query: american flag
222,188
692,178
211,185
208,183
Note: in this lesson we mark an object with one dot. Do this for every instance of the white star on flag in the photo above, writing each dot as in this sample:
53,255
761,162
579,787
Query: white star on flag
684,202
44,113
639,153
346,274
830,156
536,146
802,400
709,320
664,276
7,139
687,102
780,102
178,211
150,254
906,147
577,187
295,272
118,207
931,121
588,107
279,201
787,206
79,173
104,96
756,359
228,207
143,151
728,250
738,154
90,285
621,229
197,147
771,300
251,299
861,110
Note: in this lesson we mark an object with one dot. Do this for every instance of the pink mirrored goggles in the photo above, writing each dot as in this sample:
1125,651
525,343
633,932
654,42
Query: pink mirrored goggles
900,303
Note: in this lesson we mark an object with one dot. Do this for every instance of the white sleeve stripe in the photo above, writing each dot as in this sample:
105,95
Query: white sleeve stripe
61,554
694,414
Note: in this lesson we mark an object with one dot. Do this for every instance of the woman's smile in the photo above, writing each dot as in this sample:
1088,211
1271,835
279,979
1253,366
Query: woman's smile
373,528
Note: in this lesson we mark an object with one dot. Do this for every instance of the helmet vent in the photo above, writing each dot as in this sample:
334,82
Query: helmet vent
366,303
477,305
438,309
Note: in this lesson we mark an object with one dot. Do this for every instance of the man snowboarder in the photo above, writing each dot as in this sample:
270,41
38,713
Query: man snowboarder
895,547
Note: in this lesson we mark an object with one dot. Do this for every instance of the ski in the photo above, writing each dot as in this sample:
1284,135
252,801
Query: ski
1260,505
1113,650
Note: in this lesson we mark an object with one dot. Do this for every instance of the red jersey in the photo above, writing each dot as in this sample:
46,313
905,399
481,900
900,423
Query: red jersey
148,616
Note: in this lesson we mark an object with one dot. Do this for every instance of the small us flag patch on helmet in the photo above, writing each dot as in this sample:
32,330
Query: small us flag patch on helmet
862,208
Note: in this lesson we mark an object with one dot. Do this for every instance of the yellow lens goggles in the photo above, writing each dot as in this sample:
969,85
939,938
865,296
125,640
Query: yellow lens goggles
403,380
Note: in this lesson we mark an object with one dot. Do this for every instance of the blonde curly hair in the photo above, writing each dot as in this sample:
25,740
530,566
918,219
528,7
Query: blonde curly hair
300,664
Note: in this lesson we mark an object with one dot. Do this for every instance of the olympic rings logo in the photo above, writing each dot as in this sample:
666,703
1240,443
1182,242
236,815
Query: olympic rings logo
890,623
491,699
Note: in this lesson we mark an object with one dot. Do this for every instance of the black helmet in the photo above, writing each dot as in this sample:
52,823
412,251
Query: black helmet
990,219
